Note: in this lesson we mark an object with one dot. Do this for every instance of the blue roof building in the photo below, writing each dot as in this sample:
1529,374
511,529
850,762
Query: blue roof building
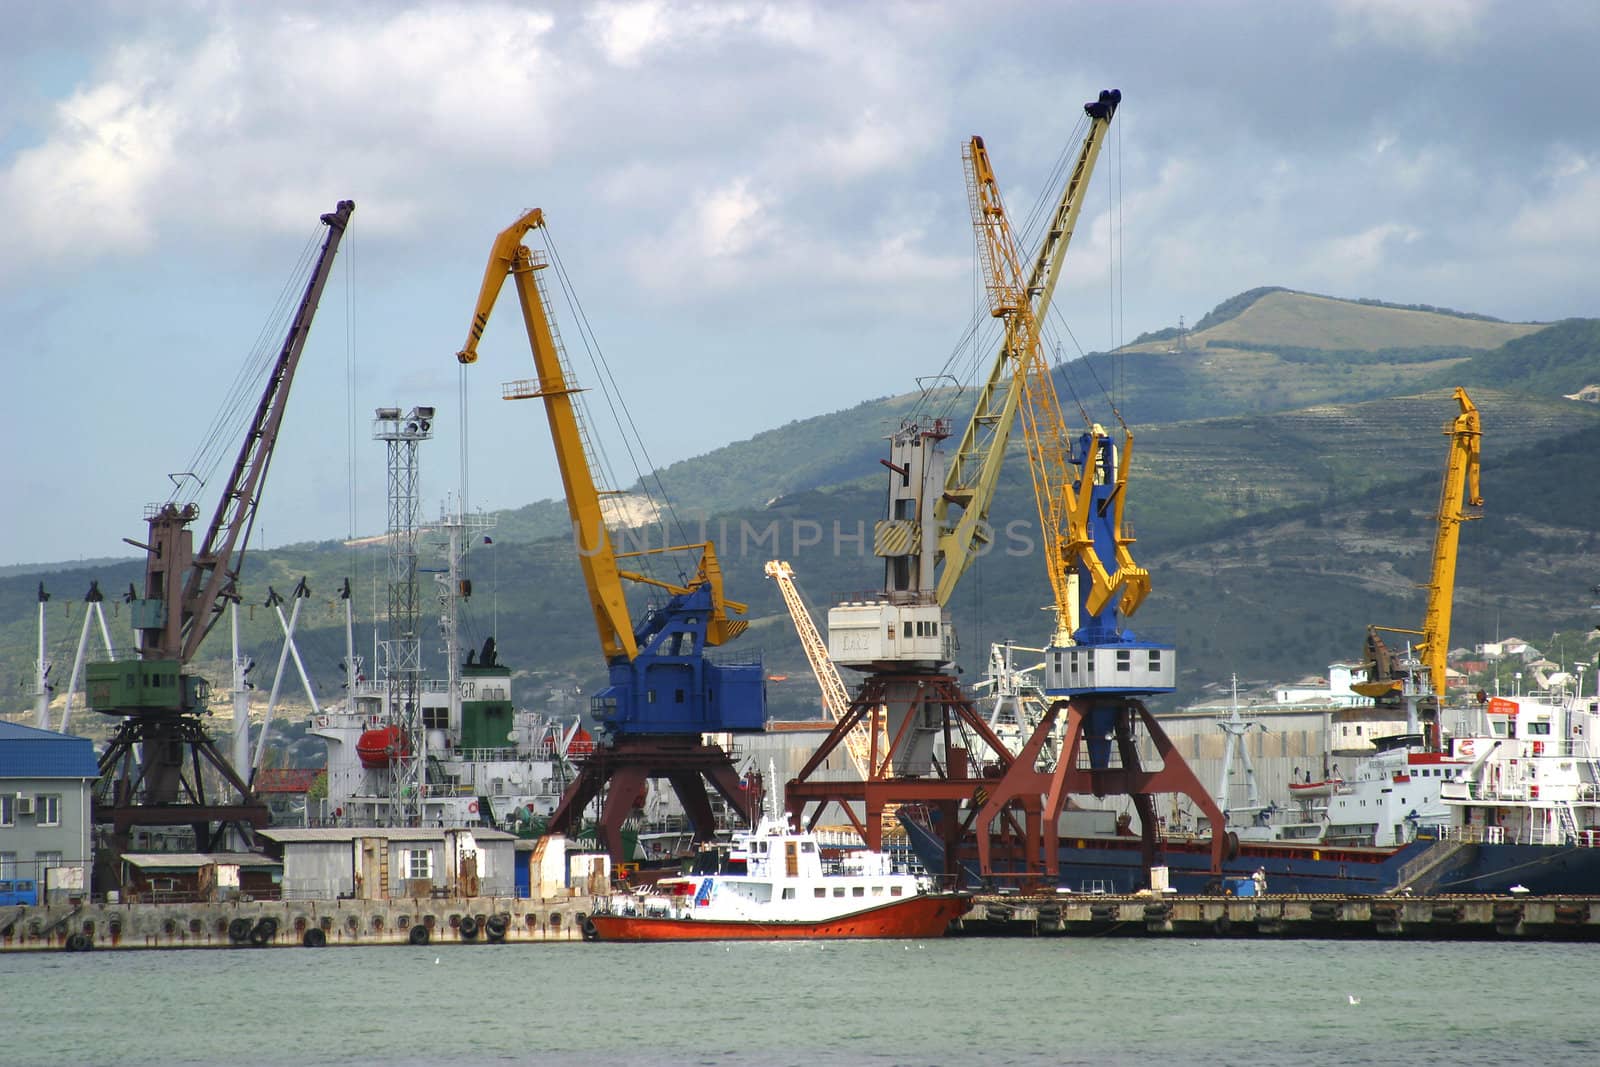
46,800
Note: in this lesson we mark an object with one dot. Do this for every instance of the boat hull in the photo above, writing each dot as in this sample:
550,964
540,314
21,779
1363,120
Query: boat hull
1116,865
1547,870
924,915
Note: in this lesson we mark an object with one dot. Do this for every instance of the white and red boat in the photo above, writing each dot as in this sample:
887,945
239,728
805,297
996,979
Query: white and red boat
778,884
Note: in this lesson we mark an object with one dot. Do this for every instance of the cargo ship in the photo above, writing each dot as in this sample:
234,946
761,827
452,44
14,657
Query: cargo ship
1508,801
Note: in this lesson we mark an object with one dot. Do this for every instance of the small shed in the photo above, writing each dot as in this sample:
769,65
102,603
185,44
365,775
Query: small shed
388,862
187,877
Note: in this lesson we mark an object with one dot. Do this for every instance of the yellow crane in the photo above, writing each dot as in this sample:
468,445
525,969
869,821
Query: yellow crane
663,694
835,697
1460,500
974,470
1061,481
1096,671
596,556
937,521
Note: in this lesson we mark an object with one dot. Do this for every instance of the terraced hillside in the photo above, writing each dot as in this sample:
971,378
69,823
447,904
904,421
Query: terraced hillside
1249,362
1217,470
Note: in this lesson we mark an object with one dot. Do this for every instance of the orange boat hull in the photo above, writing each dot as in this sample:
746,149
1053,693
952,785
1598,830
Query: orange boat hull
925,915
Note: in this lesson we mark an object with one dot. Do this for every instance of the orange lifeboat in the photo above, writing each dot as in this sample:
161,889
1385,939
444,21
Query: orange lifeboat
378,748
582,743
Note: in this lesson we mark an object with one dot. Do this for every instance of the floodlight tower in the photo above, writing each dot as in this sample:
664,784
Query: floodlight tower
402,652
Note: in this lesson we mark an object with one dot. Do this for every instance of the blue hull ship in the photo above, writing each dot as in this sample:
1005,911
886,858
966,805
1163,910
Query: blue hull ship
1425,865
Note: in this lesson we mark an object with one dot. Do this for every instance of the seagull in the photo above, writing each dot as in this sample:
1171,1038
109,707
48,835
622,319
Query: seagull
1353,998
436,961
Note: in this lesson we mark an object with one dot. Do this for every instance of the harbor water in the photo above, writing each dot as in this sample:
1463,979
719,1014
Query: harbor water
954,1001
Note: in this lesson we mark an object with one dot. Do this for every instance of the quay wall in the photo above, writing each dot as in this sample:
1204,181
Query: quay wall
465,921
1437,918
281,923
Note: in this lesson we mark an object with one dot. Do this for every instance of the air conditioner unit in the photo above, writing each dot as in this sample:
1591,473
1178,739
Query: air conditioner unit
25,805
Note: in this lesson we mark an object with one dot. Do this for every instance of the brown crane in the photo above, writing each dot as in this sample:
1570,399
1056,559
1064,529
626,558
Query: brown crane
153,773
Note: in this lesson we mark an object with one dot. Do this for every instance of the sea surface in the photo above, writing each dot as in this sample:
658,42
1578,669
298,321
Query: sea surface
956,1001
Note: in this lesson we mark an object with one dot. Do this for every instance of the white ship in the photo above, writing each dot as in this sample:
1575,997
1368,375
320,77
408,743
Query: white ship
488,764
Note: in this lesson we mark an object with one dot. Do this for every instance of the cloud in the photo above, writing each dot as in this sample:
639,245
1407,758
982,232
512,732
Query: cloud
1347,259
1564,209
112,145
246,125
1438,26
631,34
745,185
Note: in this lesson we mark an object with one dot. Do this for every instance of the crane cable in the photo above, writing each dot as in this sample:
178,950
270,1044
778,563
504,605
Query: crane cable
238,405
621,416
983,333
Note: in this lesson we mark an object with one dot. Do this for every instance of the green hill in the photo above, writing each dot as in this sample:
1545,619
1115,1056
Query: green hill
1250,362
1284,317
1557,361
1283,495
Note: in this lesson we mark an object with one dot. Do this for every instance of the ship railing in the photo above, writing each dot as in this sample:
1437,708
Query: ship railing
1532,835
504,754
1474,835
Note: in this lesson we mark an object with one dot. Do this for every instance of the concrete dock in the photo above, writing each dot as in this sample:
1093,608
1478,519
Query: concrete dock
281,923
1431,918
88,926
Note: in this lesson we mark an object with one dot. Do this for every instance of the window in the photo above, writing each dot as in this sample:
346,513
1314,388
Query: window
436,718
1541,728
45,860
50,810
894,891
1124,660
877,890
858,891
808,846
418,863
8,865
8,810
788,894
819,892
838,890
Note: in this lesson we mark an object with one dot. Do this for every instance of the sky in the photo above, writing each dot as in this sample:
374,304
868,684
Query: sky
761,209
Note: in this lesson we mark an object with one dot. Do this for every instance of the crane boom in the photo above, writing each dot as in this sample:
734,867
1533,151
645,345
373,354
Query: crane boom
1433,645
1064,481
1460,473
596,556
974,471
835,697
215,571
